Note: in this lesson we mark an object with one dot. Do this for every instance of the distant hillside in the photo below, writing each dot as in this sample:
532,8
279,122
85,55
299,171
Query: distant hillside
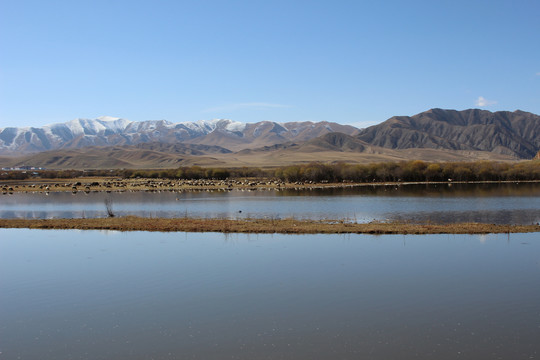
329,148
503,132
114,157
336,142
183,149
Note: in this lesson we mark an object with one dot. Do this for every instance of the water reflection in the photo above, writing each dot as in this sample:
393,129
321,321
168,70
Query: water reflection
492,203
437,190
94,295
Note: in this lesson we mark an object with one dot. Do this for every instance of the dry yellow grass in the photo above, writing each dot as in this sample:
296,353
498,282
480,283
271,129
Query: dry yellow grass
133,158
285,226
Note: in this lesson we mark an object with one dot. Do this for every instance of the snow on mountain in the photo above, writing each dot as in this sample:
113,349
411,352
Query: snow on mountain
107,130
208,126
235,126
149,125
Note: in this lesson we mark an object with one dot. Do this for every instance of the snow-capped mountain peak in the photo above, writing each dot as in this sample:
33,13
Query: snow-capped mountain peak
108,130
211,125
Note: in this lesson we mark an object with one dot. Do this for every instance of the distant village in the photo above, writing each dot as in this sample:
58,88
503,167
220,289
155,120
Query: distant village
21,168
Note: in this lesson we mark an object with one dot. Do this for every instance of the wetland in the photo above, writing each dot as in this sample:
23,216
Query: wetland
302,272
69,294
429,203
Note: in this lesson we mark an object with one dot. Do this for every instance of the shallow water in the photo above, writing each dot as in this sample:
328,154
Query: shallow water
490,203
109,295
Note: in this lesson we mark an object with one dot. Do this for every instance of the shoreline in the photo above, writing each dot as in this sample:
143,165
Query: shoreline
262,226
88,185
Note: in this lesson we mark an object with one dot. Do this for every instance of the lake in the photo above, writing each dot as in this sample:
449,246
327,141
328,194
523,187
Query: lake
441,203
136,295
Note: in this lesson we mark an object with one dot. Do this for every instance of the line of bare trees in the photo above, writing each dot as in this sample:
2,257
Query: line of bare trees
412,171
318,172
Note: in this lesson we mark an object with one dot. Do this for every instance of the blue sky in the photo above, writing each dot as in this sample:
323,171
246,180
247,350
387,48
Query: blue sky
352,62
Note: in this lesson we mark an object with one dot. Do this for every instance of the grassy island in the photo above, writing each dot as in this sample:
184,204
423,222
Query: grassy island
283,226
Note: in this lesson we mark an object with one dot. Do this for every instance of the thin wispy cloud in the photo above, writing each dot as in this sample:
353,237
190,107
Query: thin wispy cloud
482,101
242,106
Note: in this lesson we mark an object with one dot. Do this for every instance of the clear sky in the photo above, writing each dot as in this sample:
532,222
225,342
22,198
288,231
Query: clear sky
352,62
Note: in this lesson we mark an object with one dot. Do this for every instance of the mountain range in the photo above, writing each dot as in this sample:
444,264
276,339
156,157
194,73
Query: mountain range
436,134
109,131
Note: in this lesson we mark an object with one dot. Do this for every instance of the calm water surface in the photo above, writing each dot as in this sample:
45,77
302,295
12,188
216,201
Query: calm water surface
109,295
491,203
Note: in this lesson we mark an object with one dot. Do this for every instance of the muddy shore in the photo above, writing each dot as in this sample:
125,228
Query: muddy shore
120,185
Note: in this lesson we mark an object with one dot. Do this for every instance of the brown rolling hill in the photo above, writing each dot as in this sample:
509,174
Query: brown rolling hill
515,134
145,155
336,142
330,148
182,149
